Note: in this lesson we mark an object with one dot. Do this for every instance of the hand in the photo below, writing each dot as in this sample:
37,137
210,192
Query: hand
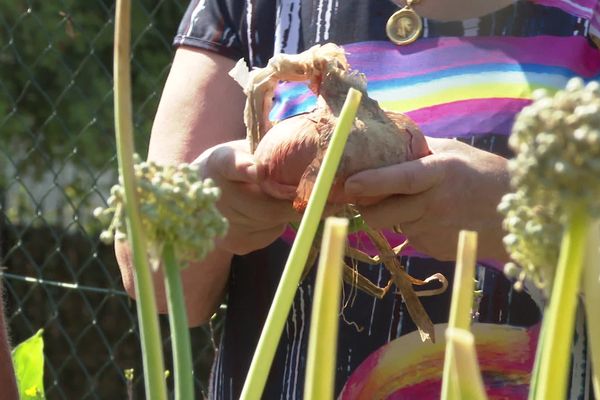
431,199
255,218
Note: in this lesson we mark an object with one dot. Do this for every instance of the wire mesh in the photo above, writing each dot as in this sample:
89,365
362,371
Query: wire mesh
57,163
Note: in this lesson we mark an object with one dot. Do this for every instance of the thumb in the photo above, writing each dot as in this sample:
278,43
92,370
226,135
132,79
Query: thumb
239,167
232,164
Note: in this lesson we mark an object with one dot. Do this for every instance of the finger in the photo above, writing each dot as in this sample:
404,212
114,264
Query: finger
255,205
395,210
233,165
277,190
405,178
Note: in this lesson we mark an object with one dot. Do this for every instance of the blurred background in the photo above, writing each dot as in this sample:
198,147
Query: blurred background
57,163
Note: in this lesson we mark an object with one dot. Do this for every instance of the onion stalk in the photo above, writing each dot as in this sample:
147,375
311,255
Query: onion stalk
152,355
155,202
465,376
322,345
292,272
180,335
465,383
591,294
560,315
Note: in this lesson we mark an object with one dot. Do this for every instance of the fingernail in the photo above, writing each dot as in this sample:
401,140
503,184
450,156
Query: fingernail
252,172
353,187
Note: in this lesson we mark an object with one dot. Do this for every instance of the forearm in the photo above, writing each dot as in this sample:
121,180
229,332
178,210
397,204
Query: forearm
200,106
204,283
7,375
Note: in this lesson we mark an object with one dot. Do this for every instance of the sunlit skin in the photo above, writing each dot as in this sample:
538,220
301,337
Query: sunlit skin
432,198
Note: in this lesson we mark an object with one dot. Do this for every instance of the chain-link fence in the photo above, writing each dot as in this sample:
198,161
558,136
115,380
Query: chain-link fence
57,162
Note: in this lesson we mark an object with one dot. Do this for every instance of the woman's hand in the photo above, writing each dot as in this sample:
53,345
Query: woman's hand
255,218
431,199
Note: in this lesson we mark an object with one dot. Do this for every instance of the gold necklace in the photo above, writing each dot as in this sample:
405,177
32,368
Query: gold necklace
404,26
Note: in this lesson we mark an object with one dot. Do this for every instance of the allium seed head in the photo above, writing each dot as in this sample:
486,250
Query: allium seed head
556,141
175,206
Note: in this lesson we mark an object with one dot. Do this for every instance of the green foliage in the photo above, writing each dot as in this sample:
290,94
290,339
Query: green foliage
28,361
56,107
554,176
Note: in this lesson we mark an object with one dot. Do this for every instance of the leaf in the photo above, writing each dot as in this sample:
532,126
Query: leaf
28,361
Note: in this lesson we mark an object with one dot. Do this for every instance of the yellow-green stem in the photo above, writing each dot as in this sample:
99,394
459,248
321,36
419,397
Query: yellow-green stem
322,345
591,294
560,315
460,312
180,333
533,385
290,278
152,356
465,368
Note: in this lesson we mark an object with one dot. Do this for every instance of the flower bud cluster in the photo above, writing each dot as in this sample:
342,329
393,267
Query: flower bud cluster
176,207
556,140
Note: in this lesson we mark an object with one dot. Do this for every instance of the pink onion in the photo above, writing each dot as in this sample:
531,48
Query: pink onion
290,153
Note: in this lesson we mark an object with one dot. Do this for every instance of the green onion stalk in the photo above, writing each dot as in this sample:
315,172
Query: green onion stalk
466,379
155,203
292,272
180,335
152,356
322,345
556,180
465,383
552,377
169,195
591,294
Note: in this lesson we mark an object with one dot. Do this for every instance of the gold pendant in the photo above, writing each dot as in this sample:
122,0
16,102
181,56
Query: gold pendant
404,26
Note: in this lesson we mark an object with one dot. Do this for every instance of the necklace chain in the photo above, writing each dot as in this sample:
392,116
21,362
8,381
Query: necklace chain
408,3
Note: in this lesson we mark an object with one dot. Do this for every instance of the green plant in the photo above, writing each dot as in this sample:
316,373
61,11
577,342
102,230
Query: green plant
129,374
152,356
150,207
28,362
591,281
322,345
461,377
555,175
56,107
269,339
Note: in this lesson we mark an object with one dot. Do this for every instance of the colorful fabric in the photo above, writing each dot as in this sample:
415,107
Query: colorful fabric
471,87
461,86
404,369
463,79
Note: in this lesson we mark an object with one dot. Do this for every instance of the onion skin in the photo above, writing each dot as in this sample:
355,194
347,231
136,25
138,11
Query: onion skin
291,146
290,153
284,153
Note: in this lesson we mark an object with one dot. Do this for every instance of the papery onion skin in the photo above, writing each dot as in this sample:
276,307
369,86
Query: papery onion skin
378,139
290,152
